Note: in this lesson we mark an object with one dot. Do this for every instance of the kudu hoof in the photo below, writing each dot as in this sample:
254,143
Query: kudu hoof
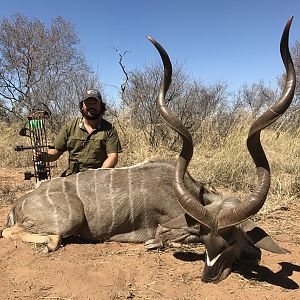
153,244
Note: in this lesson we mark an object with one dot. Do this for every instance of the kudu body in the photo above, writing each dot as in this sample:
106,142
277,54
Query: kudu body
120,204
128,204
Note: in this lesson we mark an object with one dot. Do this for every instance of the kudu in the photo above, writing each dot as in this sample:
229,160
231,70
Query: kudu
128,204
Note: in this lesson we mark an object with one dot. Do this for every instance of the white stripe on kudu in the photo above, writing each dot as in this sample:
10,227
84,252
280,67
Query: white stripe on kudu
76,184
55,216
144,203
130,197
96,192
67,199
23,204
112,199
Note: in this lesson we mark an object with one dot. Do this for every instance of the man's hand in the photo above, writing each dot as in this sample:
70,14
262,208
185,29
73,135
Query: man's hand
51,156
39,156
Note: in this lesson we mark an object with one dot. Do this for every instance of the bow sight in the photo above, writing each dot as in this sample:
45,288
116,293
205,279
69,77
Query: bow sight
35,129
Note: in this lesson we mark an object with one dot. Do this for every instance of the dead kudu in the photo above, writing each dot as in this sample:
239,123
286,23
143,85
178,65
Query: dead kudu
128,204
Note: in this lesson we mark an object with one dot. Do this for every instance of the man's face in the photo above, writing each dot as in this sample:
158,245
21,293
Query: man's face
91,109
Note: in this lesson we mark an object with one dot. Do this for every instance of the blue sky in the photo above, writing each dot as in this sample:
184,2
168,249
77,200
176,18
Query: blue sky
233,41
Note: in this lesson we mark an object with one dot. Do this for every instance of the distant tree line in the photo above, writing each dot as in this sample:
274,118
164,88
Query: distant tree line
43,68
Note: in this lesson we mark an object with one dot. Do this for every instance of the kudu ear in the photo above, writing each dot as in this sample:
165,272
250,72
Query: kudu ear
182,221
260,238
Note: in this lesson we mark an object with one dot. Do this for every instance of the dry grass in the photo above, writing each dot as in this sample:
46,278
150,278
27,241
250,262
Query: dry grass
225,162
9,139
136,148
220,158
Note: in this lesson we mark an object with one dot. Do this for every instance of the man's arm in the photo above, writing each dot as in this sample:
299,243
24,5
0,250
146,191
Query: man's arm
53,154
111,161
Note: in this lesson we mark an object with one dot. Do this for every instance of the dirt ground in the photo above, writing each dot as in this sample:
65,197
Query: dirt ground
126,271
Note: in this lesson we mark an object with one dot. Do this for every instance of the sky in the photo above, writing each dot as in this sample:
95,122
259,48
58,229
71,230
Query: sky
233,41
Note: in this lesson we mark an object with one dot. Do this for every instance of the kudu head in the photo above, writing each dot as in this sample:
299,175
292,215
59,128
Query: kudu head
225,227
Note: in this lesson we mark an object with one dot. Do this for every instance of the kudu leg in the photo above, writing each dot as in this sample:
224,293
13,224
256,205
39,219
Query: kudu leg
17,233
173,233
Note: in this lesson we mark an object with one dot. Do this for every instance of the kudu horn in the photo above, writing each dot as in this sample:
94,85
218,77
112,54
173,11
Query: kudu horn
251,206
257,199
194,208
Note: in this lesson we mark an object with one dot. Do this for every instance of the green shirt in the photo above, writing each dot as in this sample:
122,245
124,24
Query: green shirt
87,151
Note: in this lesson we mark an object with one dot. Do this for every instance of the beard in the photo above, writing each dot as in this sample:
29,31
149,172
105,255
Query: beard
90,114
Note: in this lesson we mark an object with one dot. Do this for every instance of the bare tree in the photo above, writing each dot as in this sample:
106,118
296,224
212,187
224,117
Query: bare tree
295,52
139,100
41,66
254,98
191,100
293,115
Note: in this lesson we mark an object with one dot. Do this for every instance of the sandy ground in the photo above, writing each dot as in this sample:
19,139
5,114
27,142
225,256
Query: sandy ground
126,271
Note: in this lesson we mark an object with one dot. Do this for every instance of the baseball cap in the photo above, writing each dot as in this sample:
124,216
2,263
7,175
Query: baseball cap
92,94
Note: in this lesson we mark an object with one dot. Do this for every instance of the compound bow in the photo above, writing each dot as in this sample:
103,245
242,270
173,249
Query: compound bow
35,129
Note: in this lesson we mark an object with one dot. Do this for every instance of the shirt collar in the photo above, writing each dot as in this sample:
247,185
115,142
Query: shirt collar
81,124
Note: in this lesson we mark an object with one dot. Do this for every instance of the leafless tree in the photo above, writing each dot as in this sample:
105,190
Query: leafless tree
295,52
254,98
41,66
191,100
293,115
